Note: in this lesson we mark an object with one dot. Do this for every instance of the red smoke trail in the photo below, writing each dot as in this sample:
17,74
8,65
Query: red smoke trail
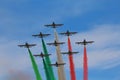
72,69
85,65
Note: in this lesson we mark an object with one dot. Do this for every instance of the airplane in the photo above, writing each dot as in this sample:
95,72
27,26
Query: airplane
41,55
41,35
53,25
55,43
26,45
84,42
69,52
68,33
57,64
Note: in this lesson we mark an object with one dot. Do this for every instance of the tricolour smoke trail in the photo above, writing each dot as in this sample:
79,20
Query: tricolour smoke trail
35,67
61,72
72,69
47,59
85,65
46,70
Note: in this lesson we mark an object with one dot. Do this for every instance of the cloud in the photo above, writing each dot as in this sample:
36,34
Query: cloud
104,59
18,75
12,57
15,59
71,8
17,18
104,53
44,11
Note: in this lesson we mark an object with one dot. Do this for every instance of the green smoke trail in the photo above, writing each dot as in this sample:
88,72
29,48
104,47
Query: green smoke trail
46,70
38,76
47,59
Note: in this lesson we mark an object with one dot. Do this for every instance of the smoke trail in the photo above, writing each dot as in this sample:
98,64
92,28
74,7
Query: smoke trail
72,69
47,59
46,70
35,67
61,72
85,66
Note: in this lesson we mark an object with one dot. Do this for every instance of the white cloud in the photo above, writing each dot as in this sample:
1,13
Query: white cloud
104,53
12,58
72,8
52,10
104,59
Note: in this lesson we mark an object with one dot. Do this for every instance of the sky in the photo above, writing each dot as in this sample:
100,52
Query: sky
97,20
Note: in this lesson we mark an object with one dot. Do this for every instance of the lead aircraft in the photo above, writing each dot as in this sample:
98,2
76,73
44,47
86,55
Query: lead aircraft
53,25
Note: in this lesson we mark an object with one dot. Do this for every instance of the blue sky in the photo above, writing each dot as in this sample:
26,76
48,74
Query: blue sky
97,20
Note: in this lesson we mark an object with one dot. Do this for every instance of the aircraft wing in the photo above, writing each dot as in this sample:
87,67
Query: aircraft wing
32,45
58,64
36,55
45,34
40,35
50,43
61,43
89,41
79,42
61,63
35,35
64,52
70,52
55,43
55,25
53,64
70,33
27,45
73,32
48,25
62,33
46,55
58,24
21,45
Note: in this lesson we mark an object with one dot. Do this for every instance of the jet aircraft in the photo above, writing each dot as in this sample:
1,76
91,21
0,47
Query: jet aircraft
53,25
69,52
84,42
26,45
41,55
57,64
41,35
55,43
68,33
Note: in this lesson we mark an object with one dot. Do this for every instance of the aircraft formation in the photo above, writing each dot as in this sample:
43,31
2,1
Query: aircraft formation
59,63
